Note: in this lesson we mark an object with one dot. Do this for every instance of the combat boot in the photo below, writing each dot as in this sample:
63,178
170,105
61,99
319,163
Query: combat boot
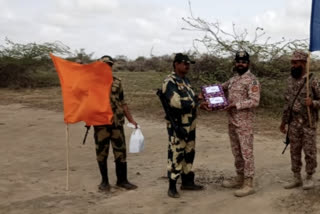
234,182
308,184
122,179
246,189
104,185
188,182
172,191
296,182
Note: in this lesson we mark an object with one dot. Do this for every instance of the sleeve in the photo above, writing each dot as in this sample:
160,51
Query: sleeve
121,94
286,110
172,94
253,97
225,85
316,93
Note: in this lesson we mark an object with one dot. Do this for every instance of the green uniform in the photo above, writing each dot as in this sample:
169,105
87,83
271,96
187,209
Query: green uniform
114,133
182,101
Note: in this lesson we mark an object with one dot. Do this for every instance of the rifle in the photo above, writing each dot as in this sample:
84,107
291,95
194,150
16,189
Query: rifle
181,133
86,134
287,141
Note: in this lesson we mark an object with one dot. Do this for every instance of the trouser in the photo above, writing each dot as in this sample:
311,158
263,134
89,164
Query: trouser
103,135
181,153
303,138
241,139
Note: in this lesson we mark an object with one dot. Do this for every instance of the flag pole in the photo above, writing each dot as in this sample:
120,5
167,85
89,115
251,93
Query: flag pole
308,91
67,155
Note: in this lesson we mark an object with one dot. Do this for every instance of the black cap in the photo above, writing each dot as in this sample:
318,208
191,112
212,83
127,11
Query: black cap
183,58
107,59
242,55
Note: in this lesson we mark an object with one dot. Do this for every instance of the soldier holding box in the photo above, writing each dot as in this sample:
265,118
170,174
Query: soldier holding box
243,97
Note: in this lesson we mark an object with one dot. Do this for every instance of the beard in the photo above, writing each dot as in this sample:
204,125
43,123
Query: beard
241,69
296,72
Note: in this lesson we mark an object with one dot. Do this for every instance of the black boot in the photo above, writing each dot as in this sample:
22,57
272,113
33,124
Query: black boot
172,192
188,182
121,171
104,185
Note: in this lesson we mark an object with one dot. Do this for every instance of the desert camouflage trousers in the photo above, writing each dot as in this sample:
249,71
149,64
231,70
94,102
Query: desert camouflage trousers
181,153
241,139
103,135
303,138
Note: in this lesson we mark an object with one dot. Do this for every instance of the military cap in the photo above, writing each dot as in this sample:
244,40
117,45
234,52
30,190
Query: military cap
79,61
179,57
299,55
107,59
242,55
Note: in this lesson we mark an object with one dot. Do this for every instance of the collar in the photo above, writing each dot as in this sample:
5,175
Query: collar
245,74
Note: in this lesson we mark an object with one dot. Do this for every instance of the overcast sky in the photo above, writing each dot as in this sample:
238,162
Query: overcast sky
133,27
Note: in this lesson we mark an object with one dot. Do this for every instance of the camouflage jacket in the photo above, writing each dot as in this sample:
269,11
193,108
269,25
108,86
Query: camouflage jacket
244,92
117,101
299,109
181,98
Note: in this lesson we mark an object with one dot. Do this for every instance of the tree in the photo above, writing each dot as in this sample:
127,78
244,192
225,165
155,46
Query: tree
221,43
19,63
270,61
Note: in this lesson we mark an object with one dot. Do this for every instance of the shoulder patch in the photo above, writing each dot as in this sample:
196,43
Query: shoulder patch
254,82
255,88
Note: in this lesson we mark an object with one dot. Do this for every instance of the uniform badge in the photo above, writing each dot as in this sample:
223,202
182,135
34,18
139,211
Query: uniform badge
254,82
180,86
255,88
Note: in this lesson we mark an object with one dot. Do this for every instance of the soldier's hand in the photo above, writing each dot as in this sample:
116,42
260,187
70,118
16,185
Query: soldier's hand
204,105
230,106
134,123
200,96
308,101
282,128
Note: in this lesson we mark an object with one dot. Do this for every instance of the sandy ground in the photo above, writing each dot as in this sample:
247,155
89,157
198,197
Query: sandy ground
33,170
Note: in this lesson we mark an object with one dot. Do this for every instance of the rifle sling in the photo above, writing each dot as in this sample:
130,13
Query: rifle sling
294,100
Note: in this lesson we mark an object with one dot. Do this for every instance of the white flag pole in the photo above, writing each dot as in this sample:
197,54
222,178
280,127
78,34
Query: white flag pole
67,155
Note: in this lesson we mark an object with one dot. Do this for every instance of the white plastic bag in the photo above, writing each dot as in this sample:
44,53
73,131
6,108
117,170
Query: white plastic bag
136,143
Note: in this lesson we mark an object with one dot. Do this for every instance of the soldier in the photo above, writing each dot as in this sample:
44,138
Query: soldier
114,133
295,116
243,91
183,104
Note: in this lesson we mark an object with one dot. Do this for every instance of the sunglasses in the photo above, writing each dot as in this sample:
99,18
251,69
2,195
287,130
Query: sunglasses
242,61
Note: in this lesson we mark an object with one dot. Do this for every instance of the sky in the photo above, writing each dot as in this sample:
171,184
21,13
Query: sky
136,28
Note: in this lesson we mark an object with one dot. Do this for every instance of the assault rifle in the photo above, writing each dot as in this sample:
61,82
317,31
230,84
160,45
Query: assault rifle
287,141
181,133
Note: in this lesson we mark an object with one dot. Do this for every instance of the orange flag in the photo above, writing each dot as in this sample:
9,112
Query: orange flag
85,91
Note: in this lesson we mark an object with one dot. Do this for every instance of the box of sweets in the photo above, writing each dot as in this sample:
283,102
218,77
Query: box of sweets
214,95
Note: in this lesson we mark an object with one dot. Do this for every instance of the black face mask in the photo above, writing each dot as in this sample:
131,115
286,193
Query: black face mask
241,70
296,72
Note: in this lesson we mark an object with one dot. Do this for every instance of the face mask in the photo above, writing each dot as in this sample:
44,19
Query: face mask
241,70
296,72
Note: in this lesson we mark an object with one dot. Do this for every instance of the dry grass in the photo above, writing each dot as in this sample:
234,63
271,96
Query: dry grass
140,89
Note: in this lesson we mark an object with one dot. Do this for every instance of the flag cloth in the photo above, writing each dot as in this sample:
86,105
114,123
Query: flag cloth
85,91
315,26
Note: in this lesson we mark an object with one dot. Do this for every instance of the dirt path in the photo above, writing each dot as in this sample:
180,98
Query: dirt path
33,170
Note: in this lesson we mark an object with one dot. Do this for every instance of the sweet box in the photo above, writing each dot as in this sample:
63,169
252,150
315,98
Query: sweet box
214,96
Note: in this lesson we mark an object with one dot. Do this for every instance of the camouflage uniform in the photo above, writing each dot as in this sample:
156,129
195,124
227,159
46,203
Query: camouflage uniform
244,92
182,101
114,133
301,135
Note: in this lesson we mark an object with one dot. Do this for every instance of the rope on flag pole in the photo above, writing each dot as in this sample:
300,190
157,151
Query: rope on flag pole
67,155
